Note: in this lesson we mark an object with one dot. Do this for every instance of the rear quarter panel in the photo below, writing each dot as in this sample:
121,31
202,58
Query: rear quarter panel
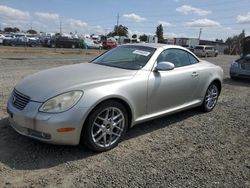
208,73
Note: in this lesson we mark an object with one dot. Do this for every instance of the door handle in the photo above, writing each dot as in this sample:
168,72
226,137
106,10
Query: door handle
195,74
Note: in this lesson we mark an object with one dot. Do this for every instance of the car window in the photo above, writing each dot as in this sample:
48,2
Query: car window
199,47
126,57
176,56
192,59
208,48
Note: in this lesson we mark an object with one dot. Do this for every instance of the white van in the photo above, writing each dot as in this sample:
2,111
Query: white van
205,51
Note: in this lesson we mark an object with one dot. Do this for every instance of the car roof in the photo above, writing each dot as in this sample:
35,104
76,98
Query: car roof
156,45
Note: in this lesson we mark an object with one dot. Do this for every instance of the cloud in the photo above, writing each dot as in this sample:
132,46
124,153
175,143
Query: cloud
202,23
8,13
74,23
47,16
244,19
165,24
11,17
186,9
134,17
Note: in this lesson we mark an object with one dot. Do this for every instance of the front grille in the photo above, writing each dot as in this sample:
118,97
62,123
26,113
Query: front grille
19,100
245,66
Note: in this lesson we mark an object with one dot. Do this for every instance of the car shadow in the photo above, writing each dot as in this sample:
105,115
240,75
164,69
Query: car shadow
22,153
237,82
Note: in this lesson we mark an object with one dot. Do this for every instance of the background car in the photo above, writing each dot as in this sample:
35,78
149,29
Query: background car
22,41
7,38
91,44
205,51
1,38
95,103
63,42
240,68
109,44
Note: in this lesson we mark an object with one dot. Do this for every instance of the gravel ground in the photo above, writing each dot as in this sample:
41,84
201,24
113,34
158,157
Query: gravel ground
188,149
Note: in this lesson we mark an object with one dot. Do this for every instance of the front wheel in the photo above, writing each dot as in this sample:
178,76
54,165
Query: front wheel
210,98
105,126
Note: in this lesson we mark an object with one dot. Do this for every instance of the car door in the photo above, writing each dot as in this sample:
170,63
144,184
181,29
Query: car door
173,88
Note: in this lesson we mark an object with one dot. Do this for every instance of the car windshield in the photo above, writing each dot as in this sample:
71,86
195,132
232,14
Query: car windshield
126,57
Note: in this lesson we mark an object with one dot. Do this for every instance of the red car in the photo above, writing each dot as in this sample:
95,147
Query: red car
109,44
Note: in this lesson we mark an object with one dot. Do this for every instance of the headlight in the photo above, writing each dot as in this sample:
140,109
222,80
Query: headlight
235,65
61,102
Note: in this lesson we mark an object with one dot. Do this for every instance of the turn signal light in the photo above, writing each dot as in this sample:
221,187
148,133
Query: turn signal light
65,129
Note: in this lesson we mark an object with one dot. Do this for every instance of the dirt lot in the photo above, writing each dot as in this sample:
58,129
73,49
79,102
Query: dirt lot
189,149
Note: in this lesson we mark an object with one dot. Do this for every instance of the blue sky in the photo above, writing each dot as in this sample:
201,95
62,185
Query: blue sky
180,18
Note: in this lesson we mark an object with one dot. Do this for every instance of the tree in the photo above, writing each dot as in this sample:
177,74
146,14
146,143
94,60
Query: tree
241,40
119,31
143,38
159,33
10,29
31,31
236,43
219,40
15,29
134,36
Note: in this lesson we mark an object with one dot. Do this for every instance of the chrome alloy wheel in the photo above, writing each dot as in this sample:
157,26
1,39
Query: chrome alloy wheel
108,127
211,96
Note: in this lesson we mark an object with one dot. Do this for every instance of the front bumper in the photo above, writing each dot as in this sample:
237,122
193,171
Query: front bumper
43,126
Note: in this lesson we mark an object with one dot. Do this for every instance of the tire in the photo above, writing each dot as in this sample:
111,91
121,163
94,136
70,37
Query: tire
105,126
233,77
211,97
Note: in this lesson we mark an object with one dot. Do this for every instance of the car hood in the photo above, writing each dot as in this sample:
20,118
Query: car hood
46,84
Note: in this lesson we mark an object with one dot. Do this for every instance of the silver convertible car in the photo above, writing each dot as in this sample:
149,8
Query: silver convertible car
95,103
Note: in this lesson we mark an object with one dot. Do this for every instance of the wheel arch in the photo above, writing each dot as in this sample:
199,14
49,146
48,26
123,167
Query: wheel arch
126,105
218,83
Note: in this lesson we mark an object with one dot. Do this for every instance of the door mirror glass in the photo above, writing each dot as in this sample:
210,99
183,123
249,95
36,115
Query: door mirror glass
164,66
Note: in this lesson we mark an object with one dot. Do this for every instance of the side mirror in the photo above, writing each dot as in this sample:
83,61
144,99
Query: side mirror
164,66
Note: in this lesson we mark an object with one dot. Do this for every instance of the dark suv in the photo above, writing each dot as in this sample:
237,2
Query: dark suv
63,42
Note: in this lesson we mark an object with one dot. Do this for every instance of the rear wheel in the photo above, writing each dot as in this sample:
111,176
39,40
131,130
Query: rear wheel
211,97
105,126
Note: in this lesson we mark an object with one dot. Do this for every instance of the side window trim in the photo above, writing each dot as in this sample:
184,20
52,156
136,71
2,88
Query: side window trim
189,54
